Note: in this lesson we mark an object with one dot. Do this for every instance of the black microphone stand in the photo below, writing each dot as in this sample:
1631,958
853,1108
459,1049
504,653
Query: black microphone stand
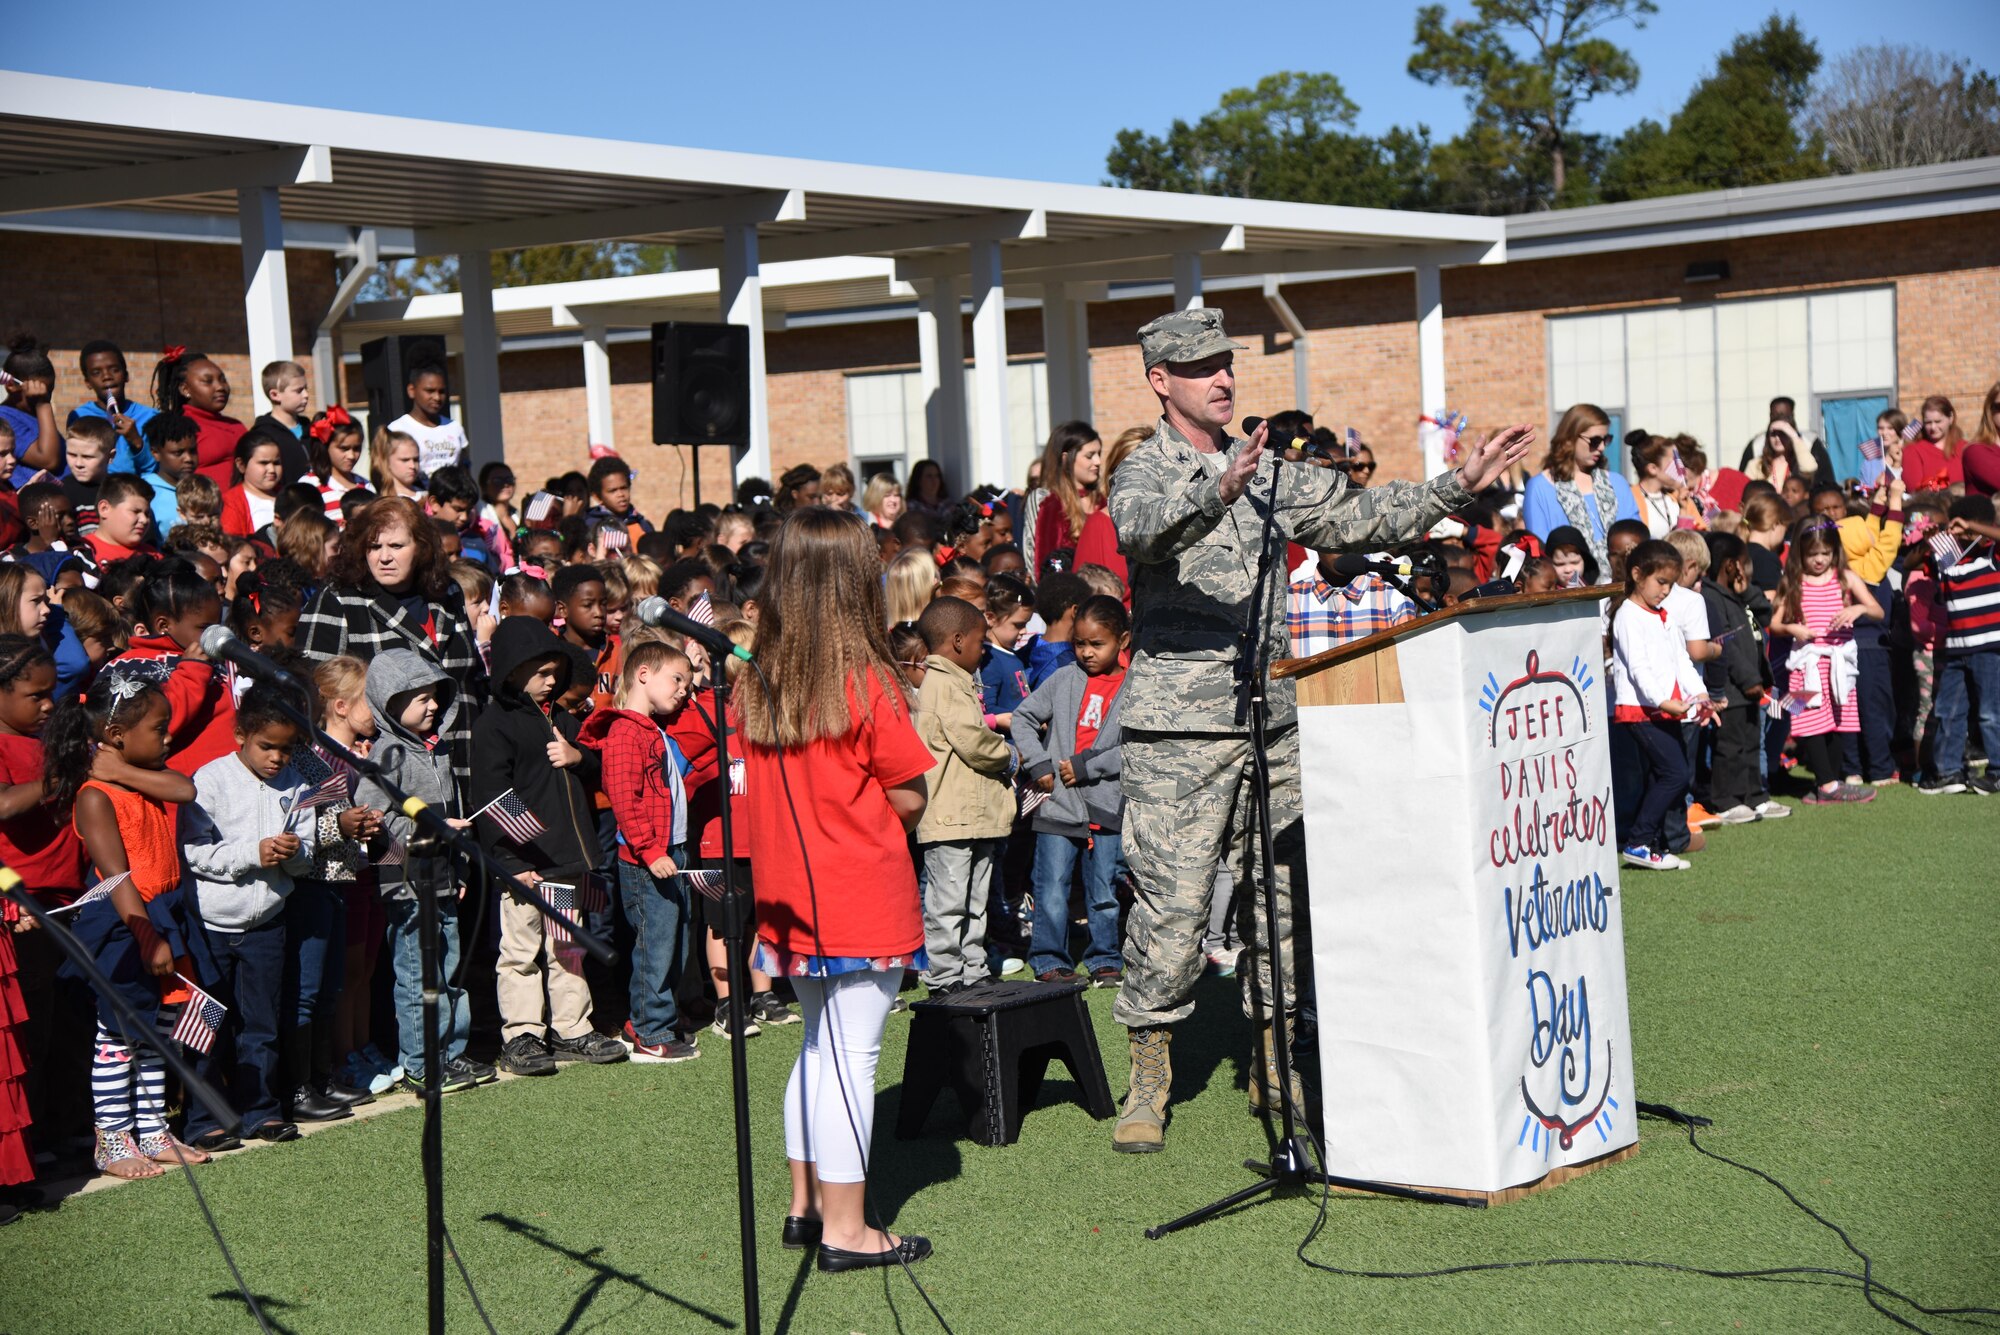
1291,1167
734,920
434,841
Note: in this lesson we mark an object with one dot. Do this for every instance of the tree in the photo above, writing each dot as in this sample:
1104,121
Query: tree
1524,104
1881,107
522,268
1289,138
1738,127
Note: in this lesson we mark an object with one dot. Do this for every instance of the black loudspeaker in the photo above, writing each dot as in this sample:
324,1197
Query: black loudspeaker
701,384
385,371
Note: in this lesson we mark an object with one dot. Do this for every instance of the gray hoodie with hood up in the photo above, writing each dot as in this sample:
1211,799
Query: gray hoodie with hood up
412,763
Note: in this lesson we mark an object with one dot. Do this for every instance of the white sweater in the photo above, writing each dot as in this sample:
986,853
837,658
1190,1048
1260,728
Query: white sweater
1649,659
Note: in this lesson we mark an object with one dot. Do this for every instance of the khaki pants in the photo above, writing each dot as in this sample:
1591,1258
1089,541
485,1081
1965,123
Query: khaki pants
527,967
1187,812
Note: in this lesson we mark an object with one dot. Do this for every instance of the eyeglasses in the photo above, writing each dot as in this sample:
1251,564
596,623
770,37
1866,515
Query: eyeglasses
1361,468
918,666
1595,442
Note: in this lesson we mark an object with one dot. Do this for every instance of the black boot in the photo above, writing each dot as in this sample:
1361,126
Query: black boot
308,1104
323,1079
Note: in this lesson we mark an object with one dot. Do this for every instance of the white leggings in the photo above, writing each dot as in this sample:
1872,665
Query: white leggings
847,1013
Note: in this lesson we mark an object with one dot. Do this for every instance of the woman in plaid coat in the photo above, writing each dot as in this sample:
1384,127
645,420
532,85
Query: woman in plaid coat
390,587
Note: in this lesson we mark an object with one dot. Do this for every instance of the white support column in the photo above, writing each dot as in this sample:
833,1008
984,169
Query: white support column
327,387
326,384
597,384
1187,280
941,353
1274,297
1058,329
1430,361
743,303
267,304
1079,351
480,395
989,370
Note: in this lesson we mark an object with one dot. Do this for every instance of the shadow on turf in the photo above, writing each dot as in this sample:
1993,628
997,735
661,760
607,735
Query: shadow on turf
602,1275
265,1301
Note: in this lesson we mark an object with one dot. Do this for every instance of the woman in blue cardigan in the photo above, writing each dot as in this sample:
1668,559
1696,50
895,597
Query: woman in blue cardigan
1576,486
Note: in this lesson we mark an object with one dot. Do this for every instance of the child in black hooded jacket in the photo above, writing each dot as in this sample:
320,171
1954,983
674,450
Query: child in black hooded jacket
531,788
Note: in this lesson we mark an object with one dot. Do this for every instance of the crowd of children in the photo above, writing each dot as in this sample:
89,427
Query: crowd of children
202,845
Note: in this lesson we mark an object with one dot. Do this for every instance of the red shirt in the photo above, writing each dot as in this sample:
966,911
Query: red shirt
865,882
215,444
46,853
693,732
1098,693
1926,469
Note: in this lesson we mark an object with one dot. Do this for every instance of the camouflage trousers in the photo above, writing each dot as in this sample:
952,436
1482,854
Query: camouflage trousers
1188,808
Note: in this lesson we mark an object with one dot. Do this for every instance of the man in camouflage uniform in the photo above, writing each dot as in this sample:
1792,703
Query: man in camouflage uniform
1189,507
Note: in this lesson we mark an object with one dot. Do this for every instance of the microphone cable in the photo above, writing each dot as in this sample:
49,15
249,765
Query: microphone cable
827,1030
1870,1286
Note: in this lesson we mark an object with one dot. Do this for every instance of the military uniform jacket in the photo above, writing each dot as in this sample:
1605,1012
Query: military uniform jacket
1194,568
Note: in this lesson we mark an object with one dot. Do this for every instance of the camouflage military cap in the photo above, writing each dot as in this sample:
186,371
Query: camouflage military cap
1184,336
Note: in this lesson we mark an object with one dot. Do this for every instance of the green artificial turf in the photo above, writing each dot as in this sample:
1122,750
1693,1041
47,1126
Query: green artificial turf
1823,987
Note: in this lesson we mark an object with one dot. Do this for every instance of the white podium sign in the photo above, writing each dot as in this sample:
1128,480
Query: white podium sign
1468,944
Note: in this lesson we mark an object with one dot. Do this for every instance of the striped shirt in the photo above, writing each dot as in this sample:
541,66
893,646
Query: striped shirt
1321,615
1970,594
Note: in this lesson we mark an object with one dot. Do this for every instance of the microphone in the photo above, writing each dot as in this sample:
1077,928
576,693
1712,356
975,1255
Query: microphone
1351,565
224,645
654,611
1301,443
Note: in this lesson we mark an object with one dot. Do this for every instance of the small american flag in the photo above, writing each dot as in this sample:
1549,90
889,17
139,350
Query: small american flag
701,611
1353,442
736,770
562,898
1031,797
200,1020
1910,430
395,855
102,890
539,507
511,814
1782,704
1947,549
708,883
331,789
1871,447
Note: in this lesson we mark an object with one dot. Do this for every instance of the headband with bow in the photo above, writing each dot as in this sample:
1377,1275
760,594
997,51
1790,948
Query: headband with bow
329,422
173,353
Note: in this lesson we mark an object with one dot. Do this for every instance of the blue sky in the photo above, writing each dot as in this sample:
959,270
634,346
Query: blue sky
1031,89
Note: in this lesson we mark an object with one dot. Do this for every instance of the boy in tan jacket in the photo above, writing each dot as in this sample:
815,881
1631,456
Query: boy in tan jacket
971,808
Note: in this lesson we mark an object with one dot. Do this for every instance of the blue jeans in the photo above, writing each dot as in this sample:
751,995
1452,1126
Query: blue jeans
1056,855
1665,793
246,972
406,955
659,913
1869,752
315,951
1959,677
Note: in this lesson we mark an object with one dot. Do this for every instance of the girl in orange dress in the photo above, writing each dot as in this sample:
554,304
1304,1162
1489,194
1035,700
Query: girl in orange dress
107,759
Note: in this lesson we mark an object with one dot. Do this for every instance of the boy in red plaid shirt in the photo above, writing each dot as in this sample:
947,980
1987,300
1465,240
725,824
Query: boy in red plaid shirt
1323,613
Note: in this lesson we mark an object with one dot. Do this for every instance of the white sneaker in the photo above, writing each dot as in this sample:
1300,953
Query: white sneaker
1010,965
1647,859
1740,814
1672,862
1770,810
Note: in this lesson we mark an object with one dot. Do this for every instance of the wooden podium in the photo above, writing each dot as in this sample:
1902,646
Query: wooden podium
1468,949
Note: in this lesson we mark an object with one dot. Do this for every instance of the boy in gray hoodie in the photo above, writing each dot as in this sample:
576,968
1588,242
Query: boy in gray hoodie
1068,737
243,838
416,706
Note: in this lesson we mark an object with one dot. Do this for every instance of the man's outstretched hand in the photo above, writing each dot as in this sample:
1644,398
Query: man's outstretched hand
1493,455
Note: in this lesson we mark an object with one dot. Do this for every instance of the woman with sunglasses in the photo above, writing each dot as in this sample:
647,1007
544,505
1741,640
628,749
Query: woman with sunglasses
1982,452
1576,487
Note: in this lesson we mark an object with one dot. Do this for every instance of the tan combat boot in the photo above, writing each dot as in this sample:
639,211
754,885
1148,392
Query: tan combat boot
1142,1125
1264,1080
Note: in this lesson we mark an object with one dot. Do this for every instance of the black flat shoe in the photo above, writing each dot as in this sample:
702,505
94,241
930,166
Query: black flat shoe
276,1131
310,1105
833,1260
800,1232
217,1142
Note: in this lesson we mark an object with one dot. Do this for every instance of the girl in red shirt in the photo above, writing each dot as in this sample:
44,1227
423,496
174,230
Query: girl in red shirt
833,783
176,605
260,471
189,383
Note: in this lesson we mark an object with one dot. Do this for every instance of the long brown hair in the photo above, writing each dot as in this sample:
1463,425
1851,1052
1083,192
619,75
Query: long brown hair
1773,440
821,631
1811,534
428,566
1065,443
1989,420
303,537
1954,439
1560,462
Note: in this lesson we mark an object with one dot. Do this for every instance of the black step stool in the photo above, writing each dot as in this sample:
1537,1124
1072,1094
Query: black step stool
992,1043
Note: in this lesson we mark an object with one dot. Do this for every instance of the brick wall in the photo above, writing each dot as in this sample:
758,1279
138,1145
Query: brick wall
1362,336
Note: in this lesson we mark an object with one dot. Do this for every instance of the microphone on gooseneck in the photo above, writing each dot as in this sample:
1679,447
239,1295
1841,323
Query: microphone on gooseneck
225,646
655,611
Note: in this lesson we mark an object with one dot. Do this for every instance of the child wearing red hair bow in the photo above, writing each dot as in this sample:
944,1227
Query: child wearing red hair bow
334,449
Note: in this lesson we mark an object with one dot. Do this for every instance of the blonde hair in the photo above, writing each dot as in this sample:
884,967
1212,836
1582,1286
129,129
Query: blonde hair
729,523
1130,439
475,583
277,375
92,617
837,478
200,500
302,537
1989,428
1689,544
617,589
386,444
879,489
908,587
1102,579
642,577
822,634
1726,521
1560,462
744,636
342,677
